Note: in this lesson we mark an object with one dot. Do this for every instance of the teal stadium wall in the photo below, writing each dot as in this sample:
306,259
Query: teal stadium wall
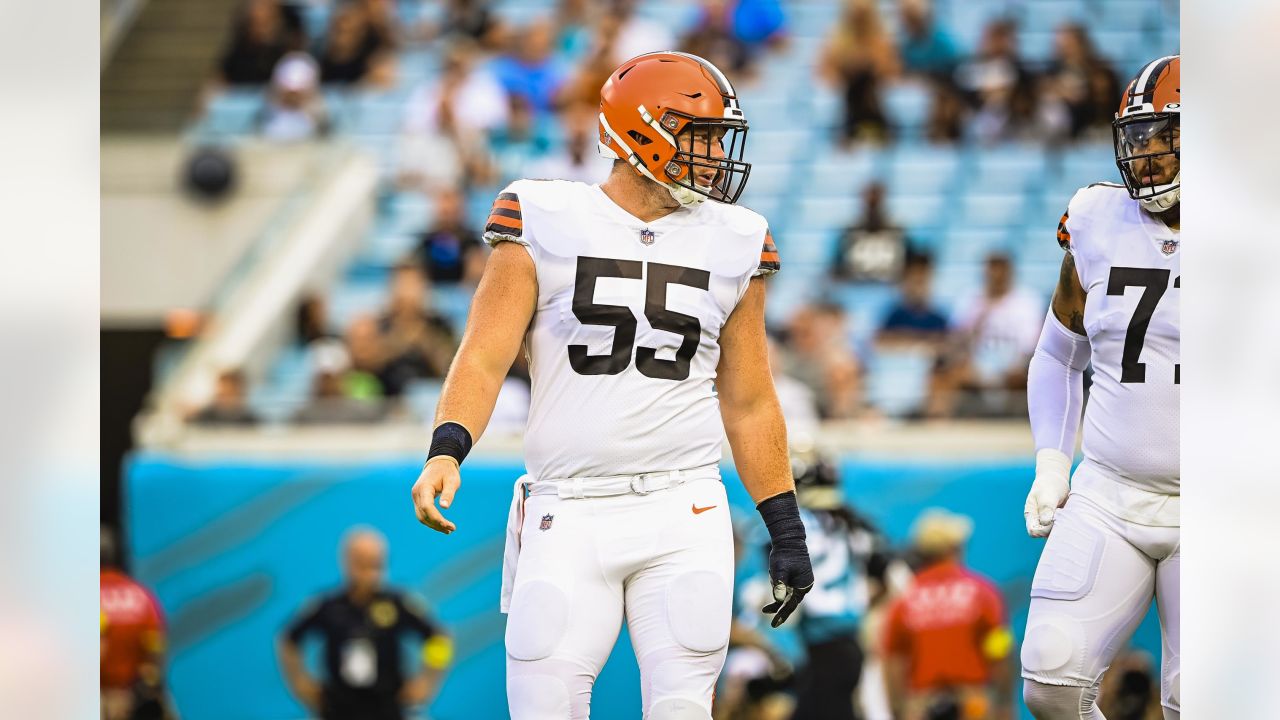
232,548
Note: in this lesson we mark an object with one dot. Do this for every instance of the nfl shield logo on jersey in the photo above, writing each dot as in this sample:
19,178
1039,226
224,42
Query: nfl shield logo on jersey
647,237
1169,247
546,522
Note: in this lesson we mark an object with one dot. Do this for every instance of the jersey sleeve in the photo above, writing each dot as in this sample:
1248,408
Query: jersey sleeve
770,263
505,223
437,647
414,617
306,621
1064,233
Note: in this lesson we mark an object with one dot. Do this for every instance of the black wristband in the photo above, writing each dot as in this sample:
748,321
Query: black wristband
450,439
781,516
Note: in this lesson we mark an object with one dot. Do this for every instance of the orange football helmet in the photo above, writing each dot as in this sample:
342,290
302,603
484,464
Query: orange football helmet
1147,134
674,117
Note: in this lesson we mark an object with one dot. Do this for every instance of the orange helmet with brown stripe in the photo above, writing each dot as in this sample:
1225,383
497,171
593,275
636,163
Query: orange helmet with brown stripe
1147,134
674,117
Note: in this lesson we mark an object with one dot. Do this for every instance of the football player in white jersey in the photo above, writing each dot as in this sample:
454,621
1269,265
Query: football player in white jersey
1113,528
640,306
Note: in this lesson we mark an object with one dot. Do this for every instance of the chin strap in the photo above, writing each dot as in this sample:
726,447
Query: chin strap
1166,200
683,195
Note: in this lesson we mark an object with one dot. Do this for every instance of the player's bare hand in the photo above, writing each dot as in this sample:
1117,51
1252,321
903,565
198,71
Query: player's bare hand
439,479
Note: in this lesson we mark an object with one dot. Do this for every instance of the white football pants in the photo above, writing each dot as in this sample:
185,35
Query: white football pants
1095,581
665,559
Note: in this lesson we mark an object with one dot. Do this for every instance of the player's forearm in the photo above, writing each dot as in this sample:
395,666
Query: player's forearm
758,438
1055,387
470,392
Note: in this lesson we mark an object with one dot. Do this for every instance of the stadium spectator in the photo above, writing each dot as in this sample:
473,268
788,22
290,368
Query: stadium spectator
132,627
446,123
734,33
415,342
946,638
364,344
799,405
995,332
913,319
230,402
294,109
474,21
262,33
636,35
522,141
945,124
362,626
598,62
820,356
443,249
853,556
927,48
998,87
1130,689
312,320
356,50
577,158
383,21
1082,82
574,21
531,70
859,58
756,677
337,394
873,249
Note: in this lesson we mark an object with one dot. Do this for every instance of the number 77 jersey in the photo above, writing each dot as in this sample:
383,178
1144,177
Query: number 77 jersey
1128,264
624,342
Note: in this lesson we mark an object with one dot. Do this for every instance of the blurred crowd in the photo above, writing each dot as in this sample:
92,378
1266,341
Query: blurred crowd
989,96
514,100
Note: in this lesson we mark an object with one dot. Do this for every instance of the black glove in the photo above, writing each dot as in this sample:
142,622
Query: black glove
790,574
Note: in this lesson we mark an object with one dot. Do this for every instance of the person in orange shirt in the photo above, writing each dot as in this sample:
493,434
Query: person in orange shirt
132,644
947,641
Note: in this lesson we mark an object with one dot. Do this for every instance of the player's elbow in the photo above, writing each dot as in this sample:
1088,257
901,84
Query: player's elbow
751,412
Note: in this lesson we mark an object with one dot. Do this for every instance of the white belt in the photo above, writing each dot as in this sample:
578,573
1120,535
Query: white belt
642,484
577,488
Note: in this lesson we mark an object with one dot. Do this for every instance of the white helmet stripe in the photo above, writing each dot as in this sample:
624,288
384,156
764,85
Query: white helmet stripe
1146,84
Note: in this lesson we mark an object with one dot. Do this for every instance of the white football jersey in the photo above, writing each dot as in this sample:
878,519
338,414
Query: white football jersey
624,342
1128,264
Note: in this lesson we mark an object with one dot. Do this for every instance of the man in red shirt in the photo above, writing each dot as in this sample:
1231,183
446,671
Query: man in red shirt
132,650
947,641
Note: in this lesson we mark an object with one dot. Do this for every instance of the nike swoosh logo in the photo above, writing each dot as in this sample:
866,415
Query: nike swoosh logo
697,510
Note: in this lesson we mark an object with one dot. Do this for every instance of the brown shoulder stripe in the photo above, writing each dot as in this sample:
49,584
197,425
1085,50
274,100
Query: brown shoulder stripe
1064,235
505,218
769,258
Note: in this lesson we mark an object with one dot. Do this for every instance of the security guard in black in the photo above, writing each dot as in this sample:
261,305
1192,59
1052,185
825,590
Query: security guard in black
362,628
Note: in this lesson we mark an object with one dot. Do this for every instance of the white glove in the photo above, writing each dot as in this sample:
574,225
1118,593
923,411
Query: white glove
1048,492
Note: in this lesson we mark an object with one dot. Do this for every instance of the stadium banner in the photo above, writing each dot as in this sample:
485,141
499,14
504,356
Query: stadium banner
234,547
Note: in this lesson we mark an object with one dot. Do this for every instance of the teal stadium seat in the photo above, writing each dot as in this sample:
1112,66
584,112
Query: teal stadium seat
898,380
232,113
906,105
1000,211
1049,15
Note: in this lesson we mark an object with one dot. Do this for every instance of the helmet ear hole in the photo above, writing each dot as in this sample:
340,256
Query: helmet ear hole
655,157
